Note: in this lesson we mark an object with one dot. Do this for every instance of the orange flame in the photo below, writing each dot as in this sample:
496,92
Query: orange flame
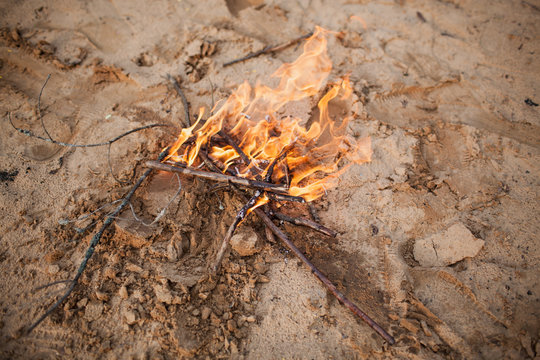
313,154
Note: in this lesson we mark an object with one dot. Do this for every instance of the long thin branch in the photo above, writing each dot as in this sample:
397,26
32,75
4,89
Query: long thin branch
305,222
329,285
217,177
93,243
268,49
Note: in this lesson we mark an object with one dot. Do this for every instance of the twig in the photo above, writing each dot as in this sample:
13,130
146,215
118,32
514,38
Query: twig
305,222
217,177
269,49
39,106
329,285
93,243
31,134
281,156
184,99
240,216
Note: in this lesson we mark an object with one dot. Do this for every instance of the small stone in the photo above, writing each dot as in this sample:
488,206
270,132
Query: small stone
400,170
250,319
123,292
101,296
110,272
447,247
245,243
53,269
172,251
130,316
260,267
214,319
93,311
408,325
82,303
231,325
15,35
205,313
134,268
163,294
234,348
195,312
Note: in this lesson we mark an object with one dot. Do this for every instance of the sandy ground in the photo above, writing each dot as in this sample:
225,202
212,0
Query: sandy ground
438,235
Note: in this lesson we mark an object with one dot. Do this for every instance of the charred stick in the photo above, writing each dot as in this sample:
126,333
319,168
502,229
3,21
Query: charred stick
268,176
93,243
285,197
229,140
217,177
329,285
268,49
237,220
305,222
286,171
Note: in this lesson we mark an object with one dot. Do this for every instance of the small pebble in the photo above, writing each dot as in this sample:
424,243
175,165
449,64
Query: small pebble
205,314
123,292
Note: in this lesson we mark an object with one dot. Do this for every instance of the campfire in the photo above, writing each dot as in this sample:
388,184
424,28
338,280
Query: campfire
264,154
247,143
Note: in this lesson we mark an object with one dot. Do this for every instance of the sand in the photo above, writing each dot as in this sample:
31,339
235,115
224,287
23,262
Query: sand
437,234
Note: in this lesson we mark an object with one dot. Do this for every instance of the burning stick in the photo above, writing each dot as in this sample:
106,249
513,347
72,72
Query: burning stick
217,177
269,49
235,146
304,222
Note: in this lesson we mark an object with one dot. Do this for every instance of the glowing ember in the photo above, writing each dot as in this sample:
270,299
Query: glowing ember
313,154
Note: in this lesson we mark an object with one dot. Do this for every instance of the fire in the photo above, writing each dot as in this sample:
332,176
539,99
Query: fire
313,154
